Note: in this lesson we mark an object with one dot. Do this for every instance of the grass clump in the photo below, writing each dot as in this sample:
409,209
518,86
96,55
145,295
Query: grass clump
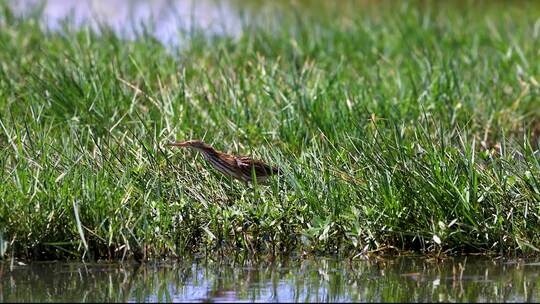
406,126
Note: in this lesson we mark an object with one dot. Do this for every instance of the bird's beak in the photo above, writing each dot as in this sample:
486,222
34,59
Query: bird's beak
178,144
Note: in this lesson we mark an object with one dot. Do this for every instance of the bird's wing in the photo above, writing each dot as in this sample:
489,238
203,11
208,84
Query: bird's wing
246,164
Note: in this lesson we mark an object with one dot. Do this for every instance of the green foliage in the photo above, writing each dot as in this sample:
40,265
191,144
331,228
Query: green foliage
415,128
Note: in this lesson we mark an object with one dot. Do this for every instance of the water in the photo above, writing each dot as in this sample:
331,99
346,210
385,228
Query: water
163,19
300,280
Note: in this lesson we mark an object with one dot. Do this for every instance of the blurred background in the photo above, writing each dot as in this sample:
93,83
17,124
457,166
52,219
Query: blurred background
164,19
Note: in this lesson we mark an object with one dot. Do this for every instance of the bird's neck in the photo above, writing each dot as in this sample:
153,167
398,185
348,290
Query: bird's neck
208,151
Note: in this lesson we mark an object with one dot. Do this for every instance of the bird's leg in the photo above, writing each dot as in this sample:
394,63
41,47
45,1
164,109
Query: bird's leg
230,191
231,183
253,183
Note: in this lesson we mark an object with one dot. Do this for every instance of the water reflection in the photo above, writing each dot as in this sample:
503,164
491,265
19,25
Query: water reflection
163,18
307,280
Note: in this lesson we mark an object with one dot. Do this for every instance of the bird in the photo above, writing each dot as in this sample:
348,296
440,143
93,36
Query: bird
238,167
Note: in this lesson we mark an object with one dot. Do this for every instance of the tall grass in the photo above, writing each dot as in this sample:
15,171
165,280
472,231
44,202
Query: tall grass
410,126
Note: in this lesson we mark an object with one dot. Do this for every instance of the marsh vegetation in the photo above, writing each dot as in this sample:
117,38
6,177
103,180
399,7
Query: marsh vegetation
410,126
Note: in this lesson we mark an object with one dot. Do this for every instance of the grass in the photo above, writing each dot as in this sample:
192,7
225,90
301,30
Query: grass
410,126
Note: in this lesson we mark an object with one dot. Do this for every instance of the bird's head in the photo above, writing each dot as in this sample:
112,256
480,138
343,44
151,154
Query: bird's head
197,144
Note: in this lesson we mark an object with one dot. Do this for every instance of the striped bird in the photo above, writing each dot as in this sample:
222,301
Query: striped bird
239,167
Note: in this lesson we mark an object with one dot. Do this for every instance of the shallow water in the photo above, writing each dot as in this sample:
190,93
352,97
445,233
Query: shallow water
300,280
163,19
